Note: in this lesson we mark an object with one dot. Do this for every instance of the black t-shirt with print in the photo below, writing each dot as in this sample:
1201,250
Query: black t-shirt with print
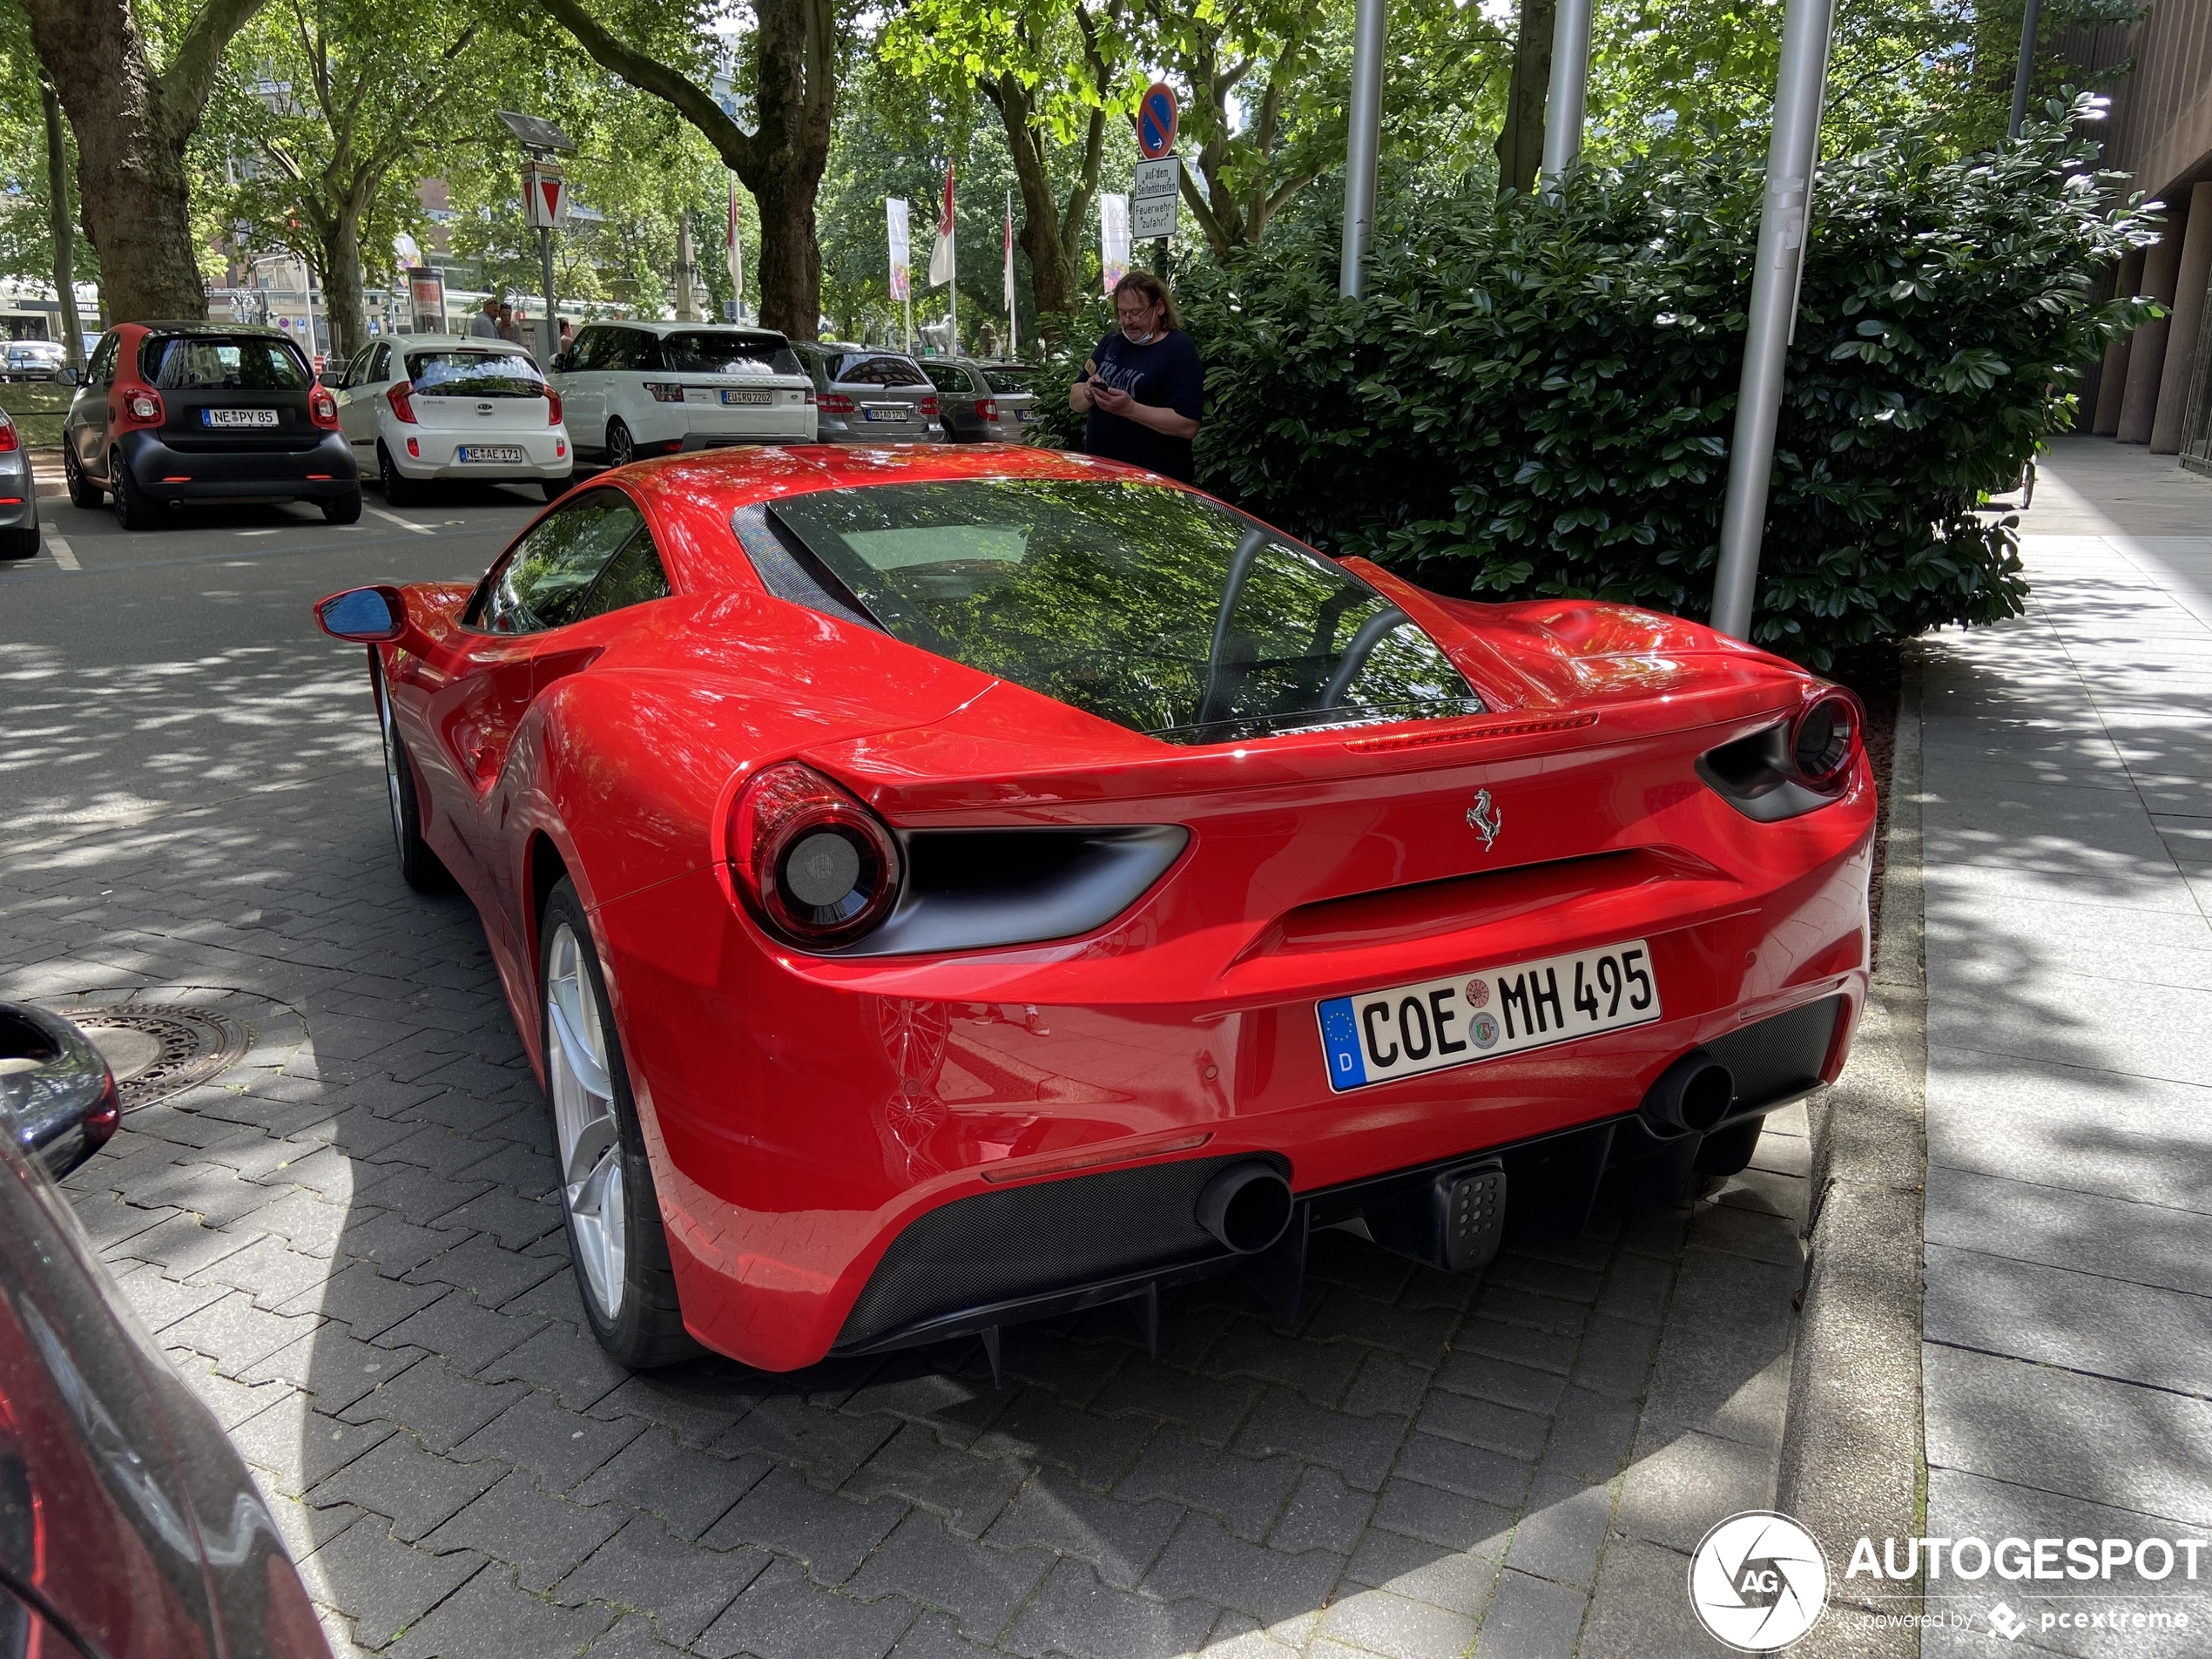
1165,373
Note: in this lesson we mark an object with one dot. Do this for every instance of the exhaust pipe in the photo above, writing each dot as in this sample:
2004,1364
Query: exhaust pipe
1246,1207
1691,1095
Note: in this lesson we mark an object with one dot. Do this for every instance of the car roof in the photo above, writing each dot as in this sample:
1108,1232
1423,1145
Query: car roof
655,326
226,330
454,342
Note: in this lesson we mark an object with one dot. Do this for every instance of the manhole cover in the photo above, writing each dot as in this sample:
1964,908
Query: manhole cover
157,1050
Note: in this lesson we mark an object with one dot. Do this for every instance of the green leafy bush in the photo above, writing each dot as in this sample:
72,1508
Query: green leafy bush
1537,400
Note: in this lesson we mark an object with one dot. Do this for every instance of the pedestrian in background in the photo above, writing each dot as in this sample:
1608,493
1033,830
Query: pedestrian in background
568,337
485,326
1144,388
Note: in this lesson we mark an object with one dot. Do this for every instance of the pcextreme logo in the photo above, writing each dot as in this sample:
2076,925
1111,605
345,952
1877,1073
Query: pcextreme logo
1758,1581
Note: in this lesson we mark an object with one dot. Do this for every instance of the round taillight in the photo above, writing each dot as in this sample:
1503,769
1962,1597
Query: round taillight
815,866
1825,740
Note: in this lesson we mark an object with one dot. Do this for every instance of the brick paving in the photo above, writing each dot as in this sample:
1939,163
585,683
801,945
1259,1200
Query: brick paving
348,1244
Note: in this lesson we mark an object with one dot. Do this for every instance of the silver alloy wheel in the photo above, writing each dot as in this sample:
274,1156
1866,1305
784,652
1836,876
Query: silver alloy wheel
583,1123
391,761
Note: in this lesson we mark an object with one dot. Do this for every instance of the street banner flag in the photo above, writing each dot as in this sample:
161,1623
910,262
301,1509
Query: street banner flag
940,257
901,258
733,250
1113,238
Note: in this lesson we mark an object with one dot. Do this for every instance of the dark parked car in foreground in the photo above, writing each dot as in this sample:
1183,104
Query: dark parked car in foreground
57,1094
128,1526
176,412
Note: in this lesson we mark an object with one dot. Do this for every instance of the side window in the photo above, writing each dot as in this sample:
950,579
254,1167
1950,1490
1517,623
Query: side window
356,370
584,353
646,348
101,370
632,578
545,577
379,365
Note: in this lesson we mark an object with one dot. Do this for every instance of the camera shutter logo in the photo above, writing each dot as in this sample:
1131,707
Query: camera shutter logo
1758,1581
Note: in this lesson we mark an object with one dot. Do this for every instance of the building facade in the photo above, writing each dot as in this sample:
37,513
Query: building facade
2155,387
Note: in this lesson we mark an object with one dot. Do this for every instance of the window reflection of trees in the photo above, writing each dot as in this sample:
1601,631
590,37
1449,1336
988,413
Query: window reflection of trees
1139,604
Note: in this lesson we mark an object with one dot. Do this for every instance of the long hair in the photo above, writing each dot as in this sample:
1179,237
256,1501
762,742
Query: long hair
1156,294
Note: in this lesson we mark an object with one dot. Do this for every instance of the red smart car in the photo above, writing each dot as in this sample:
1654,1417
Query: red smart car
942,888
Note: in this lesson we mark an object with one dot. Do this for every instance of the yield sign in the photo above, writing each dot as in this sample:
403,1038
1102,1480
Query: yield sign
545,196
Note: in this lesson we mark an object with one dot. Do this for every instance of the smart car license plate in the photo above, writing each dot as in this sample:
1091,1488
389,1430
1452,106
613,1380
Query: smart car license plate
1402,1032
506,454
238,417
748,399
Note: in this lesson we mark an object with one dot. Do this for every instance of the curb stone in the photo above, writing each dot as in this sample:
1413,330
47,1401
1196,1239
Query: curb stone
1853,1457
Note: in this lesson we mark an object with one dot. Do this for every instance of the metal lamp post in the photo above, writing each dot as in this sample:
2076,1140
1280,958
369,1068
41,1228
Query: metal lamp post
2030,18
1793,153
1363,145
1567,101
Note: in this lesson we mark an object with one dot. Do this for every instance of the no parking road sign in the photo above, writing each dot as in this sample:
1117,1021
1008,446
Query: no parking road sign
1155,120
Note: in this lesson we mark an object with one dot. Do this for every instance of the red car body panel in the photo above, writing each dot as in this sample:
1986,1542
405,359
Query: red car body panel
801,1109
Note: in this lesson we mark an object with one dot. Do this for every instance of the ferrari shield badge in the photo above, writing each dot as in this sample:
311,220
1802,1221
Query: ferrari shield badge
1485,819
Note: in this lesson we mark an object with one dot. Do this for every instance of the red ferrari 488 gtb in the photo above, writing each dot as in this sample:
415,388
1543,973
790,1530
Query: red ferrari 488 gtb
946,888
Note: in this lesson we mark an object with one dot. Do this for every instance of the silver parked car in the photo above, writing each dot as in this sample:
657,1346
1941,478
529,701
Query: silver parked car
867,394
984,402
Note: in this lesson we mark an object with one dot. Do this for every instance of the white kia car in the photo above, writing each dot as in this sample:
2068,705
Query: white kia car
652,388
424,408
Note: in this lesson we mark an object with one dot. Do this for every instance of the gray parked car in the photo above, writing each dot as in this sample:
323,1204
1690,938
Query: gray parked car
984,402
866,395
18,495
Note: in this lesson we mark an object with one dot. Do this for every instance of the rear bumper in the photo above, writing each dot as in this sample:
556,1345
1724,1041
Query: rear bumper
835,430
18,494
547,454
922,1080
1051,1247
326,472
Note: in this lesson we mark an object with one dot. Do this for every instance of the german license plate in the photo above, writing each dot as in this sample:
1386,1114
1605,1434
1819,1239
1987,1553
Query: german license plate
1379,1036
878,412
1025,416
238,417
748,399
505,453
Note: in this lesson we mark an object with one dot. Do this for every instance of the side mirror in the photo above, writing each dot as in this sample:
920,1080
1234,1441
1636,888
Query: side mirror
363,616
334,378
66,374
563,363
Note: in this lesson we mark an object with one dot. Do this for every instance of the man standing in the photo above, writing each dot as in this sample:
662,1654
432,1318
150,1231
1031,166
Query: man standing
485,326
1145,387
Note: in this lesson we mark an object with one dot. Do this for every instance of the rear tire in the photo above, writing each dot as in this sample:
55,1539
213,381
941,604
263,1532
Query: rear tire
398,489
1730,1151
617,1243
83,492
19,544
420,867
346,509
622,449
132,510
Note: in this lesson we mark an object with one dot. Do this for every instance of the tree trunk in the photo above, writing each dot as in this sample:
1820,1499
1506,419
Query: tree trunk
64,234
1051,279
341,285
791,258
1521,141
132,128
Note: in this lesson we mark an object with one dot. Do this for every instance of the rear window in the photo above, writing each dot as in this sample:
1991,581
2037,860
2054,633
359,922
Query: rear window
710,352
946,378
1010,379
200,360
867,369
1144,605
473,374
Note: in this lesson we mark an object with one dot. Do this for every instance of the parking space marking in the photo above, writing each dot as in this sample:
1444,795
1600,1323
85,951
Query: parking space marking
404,523
60,550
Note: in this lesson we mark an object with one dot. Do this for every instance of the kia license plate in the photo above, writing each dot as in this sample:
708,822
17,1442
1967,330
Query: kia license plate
748,399
498,454
1380,1036
238,417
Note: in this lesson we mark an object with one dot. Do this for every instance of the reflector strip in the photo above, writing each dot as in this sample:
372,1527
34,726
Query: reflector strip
1469,733
1092,1160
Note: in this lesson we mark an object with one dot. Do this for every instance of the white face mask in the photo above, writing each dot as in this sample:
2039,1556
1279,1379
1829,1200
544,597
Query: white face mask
1129,332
